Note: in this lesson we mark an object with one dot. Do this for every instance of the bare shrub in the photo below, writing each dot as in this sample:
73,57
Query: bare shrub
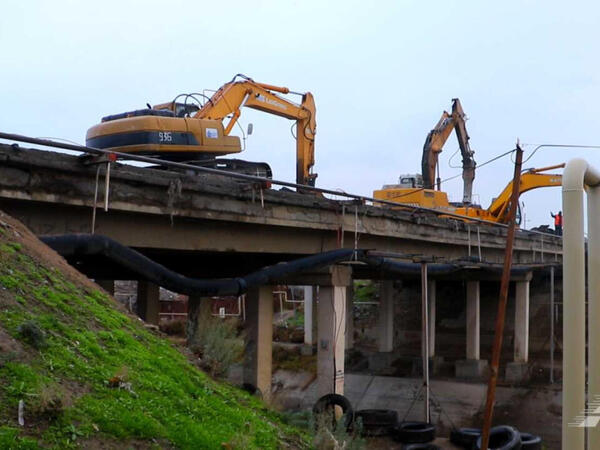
217,343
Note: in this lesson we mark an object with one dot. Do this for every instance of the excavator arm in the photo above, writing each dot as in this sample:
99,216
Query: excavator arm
531,179
232,96
435,142
433,147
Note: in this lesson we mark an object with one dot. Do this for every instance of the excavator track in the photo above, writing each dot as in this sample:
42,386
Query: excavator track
258,169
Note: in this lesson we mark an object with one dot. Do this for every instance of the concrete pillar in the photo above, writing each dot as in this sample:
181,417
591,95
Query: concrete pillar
385,320
431,316
148,306
472,367
259,339
522,322
107,285
349,317
309,306
473,320
332,332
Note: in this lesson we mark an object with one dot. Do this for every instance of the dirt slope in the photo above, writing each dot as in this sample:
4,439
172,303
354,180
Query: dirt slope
89,375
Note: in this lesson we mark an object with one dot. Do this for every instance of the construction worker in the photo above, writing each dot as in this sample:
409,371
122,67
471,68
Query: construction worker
558,223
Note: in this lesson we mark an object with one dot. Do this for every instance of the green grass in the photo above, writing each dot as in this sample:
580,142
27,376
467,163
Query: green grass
100,375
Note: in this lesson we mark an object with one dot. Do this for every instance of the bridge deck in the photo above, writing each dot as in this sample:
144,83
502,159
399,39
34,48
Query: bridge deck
175,215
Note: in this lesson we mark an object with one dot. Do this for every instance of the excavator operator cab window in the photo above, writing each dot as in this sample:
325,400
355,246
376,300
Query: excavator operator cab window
183,109
408,182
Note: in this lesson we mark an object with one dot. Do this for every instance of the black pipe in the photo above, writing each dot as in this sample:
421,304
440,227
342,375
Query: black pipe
388,265
145,268
85,244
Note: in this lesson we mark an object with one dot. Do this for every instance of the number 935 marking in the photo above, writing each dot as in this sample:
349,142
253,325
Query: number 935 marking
165,136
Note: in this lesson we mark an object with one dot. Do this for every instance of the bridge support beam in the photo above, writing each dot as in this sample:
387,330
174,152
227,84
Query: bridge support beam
148,306
332,332
473,367
310,319
258,356
431,294
517,371
473,319
385,320
350,317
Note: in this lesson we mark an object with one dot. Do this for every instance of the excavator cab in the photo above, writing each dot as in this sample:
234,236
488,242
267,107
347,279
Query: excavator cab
178,108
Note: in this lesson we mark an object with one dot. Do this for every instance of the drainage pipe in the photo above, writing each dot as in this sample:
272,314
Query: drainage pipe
577,176
85,244
406,268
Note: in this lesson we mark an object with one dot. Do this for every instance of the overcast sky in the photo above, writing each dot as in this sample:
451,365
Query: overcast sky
381,72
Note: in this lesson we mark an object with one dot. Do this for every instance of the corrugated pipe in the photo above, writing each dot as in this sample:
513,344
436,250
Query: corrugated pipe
88,244
406,268
94,244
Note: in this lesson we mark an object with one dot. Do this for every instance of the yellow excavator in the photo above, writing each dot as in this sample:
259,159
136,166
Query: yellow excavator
428,193
419,190
191,128
498,210
425,190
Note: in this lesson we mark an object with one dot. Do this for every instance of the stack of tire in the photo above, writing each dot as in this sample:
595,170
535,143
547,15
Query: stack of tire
502,437
381,422
415,435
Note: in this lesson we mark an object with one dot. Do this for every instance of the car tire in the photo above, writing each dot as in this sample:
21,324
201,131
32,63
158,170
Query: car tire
502,437
465,437
414,432
376,422
330,400
530,442
420,447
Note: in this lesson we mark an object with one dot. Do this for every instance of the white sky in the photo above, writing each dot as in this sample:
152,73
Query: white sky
381,73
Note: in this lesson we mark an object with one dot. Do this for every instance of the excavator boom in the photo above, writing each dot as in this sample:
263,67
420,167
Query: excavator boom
532,179
435,142
232,96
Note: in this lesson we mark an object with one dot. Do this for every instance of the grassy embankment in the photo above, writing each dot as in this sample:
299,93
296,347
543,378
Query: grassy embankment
91,375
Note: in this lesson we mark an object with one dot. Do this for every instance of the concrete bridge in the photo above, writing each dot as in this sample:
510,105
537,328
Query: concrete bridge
209,226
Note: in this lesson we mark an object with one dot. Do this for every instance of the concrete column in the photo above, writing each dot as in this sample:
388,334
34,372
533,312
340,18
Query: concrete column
315,314
259,339
309,305
385,320
349,317
473,318
148,306
332,332
431,316
522,322
472,367
107,285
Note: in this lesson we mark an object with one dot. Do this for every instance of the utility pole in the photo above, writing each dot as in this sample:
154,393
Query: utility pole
500,317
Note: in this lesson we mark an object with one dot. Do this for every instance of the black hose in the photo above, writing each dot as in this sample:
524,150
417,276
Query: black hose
86,244
145,268
388,265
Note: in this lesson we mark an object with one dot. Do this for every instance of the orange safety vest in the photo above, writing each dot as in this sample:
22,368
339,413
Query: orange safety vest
558,220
